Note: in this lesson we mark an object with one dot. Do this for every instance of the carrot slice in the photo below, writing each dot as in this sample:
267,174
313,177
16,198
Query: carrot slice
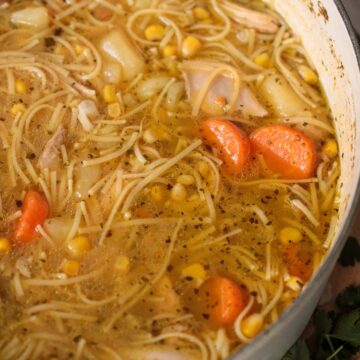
35,210
286,151
222,300
231,143
299,261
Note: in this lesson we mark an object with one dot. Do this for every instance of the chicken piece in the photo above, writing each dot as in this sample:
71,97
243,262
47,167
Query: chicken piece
171,303
261,22
87,111
197,73
50,156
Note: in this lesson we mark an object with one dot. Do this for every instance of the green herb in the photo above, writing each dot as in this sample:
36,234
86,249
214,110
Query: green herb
349,299
299,351
337,334
351,252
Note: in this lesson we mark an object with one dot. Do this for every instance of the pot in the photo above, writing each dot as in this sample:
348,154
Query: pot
327,35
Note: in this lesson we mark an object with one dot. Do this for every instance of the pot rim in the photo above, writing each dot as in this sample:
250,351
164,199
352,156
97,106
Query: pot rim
344,231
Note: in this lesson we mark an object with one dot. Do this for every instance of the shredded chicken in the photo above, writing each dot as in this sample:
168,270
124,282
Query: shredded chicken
171,303
220,91
87,111
49,157
259,21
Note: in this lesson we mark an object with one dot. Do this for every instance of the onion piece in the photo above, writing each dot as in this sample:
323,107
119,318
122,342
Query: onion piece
87,111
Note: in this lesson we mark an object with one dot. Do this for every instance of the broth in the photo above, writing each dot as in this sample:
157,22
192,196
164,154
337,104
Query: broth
168,176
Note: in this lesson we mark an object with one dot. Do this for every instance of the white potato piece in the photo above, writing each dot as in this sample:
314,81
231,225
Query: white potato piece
117,46
34,17
281,97
58,228
86,177
174,94
220,92
112,72
151,86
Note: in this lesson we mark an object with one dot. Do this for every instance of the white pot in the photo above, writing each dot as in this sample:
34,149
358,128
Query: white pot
326,33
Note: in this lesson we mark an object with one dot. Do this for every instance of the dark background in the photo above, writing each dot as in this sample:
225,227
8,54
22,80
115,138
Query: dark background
353,9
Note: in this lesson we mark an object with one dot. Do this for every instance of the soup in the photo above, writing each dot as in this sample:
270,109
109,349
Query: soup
168,176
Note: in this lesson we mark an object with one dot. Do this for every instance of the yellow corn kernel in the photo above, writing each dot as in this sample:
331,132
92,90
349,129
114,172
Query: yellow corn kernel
169,50
122,264
262,60
114,110
252,325
158,193
71,267
190,46
178,192
195,271
294,283
154,32
308,75
203,169
78,49
5,246
330,148
185,179
18,108
201,14
173,67
290,235
78,246
109,93
20,86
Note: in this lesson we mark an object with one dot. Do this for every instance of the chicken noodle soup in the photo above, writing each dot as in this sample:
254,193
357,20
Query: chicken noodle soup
168,176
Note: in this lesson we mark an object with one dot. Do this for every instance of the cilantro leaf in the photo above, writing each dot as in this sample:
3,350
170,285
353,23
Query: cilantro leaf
349,299
348,328
323,322
351,252
299,351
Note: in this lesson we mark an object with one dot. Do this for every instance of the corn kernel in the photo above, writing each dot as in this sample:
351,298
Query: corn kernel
262,60
173,67
201,14
114,110
252,325
203,169
158,193
178,192
109,93
71,267
20,86
294,283
185,179
18,108
308,75
4,246
78,246
78,49
122,264
330,148
149,136
169,50
154,32
190,46
195,271
290,235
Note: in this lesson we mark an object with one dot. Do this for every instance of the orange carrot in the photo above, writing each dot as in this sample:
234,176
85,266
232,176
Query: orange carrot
35,210
298,261
222,300
286,151
231,143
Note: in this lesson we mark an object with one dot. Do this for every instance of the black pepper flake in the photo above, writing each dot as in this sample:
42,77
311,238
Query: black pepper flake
206,316
49,42
58,31
19,203
170,268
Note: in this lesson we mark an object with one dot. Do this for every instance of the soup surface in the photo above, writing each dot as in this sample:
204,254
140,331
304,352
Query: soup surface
168,176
